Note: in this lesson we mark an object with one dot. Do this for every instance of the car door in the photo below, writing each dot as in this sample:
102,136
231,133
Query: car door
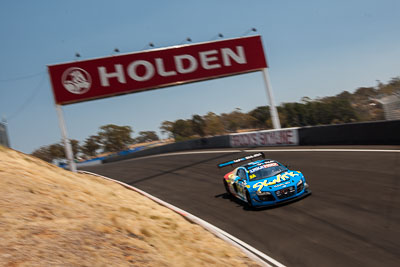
241,183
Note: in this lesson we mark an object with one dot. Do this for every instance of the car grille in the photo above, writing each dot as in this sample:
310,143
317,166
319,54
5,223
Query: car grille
285,192
266,198
300,187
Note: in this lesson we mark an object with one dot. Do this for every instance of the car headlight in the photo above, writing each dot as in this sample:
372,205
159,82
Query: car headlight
299,182
259,193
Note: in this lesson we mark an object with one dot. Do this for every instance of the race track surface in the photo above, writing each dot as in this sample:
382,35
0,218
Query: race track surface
352,217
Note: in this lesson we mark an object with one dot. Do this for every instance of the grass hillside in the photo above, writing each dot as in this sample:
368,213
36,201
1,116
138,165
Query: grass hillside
52,217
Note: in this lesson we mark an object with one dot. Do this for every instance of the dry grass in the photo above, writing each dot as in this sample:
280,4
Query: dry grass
52,217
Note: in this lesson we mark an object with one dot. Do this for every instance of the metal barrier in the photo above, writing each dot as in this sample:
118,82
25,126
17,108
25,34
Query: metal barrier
366,133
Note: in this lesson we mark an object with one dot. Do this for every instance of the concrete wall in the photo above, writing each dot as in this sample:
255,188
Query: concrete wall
203,143
369,133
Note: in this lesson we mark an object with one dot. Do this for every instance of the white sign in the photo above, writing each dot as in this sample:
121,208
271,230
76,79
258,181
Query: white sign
282,137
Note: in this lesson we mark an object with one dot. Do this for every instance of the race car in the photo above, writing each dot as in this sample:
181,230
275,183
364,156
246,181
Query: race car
263,182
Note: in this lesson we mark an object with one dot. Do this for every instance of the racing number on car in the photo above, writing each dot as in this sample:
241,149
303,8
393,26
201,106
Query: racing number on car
240,188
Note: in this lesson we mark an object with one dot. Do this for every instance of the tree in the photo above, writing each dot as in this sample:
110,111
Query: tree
232,121
213,123
76,148
91,145
182,130
198,125
43,153
115,138
56,151
262,116
166,128
146,136
343,111
288,111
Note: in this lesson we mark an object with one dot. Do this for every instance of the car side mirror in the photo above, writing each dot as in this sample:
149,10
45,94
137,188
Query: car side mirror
239,179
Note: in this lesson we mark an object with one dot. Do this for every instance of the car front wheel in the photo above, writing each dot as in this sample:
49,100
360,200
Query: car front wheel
248,198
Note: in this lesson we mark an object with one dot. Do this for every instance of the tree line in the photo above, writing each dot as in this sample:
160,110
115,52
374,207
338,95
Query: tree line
345,107
110,138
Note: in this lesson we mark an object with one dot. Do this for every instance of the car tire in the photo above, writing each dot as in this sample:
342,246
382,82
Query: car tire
228,191
249,202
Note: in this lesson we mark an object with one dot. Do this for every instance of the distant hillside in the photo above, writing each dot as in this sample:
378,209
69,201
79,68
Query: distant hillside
345,107
362,100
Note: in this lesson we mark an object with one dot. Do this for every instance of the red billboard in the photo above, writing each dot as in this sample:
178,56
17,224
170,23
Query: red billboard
103,77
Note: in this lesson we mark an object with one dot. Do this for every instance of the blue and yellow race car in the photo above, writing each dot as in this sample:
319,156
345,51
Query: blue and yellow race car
263,182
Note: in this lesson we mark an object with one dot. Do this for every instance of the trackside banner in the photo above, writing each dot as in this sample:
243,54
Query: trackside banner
103,77
282,137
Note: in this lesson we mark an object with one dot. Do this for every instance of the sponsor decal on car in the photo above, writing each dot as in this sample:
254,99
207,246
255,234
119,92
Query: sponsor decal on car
279,178
263,167
279,185
229,176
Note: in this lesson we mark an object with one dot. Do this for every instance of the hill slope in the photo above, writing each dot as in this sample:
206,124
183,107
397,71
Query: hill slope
52,217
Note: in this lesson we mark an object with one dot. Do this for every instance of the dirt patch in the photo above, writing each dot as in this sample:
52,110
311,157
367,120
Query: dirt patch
52,217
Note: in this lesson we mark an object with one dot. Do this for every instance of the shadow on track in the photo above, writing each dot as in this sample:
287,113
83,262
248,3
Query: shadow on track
246,207
171,171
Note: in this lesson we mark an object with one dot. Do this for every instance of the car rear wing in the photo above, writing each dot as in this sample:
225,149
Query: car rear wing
248,157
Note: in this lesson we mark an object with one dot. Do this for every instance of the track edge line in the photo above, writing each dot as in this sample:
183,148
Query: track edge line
250,251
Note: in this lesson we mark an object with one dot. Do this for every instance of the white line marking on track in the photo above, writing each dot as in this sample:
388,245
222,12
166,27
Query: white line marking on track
327,150
271,150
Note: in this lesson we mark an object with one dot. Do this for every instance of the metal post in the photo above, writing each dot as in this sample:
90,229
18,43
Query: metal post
67,143
274,113
4,140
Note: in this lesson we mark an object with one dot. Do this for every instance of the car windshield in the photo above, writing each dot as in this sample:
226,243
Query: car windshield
262,173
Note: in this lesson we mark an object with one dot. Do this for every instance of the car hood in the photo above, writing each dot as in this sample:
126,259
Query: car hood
287,178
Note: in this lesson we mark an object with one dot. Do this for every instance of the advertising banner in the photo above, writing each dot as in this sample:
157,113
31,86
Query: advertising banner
282,137
114,75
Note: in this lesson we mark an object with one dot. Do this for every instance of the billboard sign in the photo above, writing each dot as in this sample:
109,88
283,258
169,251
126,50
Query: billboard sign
109,76
282,137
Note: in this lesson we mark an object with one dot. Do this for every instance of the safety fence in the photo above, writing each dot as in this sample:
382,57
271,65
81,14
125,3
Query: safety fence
368,133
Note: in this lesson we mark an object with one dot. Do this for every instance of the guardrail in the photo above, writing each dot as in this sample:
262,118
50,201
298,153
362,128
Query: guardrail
211,142
367,133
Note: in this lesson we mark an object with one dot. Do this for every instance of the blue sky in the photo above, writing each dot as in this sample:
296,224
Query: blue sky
315,48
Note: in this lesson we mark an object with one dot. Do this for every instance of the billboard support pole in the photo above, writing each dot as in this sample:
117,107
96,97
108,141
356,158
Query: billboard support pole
67,143
4,140
274,113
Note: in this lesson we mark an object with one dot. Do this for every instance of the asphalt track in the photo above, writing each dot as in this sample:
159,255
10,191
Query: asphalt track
352,217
